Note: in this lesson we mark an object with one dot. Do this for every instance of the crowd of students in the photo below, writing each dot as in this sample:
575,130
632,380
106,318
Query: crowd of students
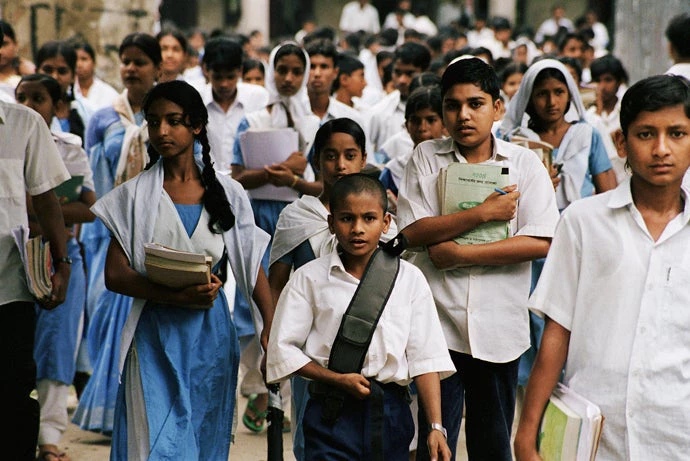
350,290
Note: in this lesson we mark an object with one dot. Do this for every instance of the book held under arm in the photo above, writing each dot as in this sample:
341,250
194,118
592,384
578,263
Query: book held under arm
570,427
462,186
70,190
175,268
543,149
37,261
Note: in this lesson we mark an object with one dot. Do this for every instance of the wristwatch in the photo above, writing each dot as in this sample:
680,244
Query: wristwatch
64,259
440,428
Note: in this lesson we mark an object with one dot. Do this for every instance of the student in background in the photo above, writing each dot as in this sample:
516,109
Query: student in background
511,77
227,99
178,396
174,54
678,35
614,290
408,338
350,84
10,63
253,72
59,331
98,93
485,343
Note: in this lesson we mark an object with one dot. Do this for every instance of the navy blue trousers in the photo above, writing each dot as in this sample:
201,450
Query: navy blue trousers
17,380
349,437
488,390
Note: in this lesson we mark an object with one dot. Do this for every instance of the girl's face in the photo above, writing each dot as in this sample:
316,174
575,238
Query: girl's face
550,99
169,130
36,96
512,84
254,76
289,74
57,68
85,65
173,55
8,51
137,70
423,125
340,156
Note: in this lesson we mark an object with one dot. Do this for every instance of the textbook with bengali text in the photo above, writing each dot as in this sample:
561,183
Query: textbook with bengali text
37,261
462,186
175,268
570,428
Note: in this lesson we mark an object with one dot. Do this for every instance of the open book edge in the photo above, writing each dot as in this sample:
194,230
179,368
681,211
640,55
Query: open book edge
37,262
172,254
176,268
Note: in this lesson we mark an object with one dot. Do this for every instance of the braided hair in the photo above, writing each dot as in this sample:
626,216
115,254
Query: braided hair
214,199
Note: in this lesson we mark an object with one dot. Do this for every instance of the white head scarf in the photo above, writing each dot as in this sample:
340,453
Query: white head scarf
298,104
516,109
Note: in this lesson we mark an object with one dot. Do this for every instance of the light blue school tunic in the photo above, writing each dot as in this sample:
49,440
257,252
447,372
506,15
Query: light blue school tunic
187,364
106,311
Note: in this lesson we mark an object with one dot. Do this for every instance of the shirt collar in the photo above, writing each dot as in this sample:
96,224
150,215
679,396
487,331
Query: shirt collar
622,197
449,146
240,97
335,263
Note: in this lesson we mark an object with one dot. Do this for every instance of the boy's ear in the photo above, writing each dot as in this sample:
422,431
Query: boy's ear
620,142
386,222
498,109
330,223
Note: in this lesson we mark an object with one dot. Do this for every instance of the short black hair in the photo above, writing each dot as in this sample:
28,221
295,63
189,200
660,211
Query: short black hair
357,183
324,47
321,33
347,64
652,94
678,33
413,53
222,54
608,64
564,39
251,64
511,69
500,23
572,62
471,70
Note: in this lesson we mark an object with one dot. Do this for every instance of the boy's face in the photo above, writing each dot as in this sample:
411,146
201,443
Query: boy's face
224,84
403,73
607,86
658,146
354,83
358,223
469,113
322,74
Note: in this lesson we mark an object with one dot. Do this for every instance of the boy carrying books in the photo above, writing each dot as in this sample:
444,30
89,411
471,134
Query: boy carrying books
361,324
615,291
480,290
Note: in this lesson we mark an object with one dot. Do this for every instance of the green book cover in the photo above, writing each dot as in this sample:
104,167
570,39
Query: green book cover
70,190
466,185
559,433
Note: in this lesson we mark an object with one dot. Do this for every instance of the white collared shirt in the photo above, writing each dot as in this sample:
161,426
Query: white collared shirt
407,341
337,109
483,309
626,301
355,18
222,126
387,119
29,163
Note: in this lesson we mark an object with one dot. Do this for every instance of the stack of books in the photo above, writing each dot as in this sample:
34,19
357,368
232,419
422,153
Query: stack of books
543,149
175,268
570,428
462,186
38,266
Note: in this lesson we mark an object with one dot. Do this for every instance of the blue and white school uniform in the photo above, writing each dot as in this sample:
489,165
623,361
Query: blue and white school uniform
180,365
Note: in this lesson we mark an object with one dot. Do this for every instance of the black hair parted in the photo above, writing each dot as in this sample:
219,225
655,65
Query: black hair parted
608,64
512,69
413,53
678,34
534,122
652,94
176,34
290,49
471,70
50,84
86,47
214,199
424,79
146,43
424,97
337,125
222,54
325,48
357,183
251,64
57,48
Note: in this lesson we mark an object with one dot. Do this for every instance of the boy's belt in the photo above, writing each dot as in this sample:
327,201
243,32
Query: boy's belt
333,400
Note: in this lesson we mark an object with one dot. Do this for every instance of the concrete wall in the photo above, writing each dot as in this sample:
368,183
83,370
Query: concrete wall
102,23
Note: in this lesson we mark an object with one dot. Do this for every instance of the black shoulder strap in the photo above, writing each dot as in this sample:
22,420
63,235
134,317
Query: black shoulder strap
362,315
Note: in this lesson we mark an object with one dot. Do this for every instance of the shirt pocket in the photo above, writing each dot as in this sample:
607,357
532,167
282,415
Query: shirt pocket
12,178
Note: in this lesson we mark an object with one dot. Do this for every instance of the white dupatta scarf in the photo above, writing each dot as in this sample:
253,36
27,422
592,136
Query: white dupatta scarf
133,154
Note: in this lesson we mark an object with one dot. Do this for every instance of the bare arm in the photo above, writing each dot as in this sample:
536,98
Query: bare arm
545,374
79,212
121,278
429,389
52,224
437,229
253,178
264,301
604,181
278,276
514,250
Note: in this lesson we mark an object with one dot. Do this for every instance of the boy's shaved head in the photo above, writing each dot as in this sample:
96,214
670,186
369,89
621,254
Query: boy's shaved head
357,183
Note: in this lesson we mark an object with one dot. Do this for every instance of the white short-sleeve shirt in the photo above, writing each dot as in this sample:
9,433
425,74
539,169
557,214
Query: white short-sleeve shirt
222,126
626,301
407,341
483,309
354,17
29,163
